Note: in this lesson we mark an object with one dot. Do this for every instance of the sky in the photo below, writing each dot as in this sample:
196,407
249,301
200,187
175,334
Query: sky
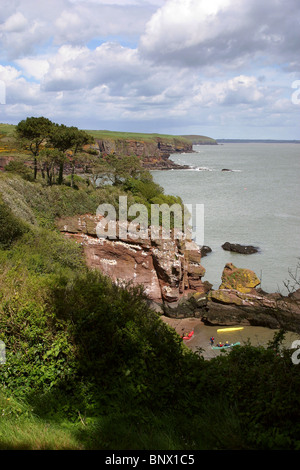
221,68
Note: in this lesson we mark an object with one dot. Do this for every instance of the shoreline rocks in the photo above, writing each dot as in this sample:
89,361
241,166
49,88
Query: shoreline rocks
229,307
242,249
242,280
205,250
172,275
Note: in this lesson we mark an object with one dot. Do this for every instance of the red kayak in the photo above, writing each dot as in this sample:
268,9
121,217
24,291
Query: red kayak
189,336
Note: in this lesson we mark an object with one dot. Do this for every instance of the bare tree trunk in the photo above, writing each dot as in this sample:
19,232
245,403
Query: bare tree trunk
61,173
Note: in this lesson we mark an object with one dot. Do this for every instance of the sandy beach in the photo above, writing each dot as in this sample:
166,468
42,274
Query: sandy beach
258,336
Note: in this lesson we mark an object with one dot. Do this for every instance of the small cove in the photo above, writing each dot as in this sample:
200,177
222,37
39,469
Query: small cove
256,335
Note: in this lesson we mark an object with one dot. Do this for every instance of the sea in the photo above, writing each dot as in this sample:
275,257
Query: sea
255,202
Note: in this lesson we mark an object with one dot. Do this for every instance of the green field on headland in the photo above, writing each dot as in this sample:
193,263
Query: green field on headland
90,366
104,134
8,130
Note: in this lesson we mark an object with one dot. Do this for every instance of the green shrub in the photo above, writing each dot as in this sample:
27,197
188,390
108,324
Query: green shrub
11,228
123,347
19,167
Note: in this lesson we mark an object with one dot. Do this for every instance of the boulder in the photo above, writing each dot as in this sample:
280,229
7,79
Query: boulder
205,250
225,296
295,295
242,249
242,280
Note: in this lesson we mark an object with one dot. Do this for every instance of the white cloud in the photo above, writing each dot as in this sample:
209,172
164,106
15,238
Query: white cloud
110,64
171,64
203,32
34,67
14,23
8,73
83,21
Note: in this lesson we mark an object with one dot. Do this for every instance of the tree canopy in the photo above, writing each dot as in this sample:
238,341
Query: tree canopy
52,141
32,132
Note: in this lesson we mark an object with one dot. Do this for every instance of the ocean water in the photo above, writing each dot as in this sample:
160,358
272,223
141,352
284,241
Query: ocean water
256,203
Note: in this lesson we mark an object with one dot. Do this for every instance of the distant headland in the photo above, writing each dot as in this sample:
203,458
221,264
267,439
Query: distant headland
258,141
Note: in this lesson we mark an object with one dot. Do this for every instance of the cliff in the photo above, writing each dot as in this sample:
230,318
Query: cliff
154,153
154,150
169,269
172,275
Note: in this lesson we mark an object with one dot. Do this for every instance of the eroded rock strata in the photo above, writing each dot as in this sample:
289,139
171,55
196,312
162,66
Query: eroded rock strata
169,269
172,275
154,154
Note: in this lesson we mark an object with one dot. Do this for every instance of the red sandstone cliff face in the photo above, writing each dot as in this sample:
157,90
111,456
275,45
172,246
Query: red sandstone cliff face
154,154
169,269
171,272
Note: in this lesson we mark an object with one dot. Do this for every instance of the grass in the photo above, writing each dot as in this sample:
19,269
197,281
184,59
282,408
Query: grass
7,136
21,429
149,137
200,138
7,129
105,134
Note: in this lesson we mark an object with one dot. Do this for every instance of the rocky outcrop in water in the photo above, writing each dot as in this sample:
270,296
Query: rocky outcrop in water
242,280
239,300
242,249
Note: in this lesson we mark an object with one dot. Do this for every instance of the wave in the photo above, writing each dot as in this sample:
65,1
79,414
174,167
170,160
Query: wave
206,168
201,168
287,216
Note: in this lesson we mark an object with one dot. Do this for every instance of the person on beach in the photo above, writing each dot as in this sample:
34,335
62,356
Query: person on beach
212,339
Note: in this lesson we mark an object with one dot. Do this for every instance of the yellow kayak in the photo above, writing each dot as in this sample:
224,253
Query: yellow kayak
230,329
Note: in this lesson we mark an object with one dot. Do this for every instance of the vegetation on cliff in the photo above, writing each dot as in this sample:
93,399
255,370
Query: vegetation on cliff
138,136
51,148
200,140
90,366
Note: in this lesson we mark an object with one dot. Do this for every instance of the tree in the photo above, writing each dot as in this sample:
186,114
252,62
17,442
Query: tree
49,158
33,132
65,138
96,168
119,168
80,138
